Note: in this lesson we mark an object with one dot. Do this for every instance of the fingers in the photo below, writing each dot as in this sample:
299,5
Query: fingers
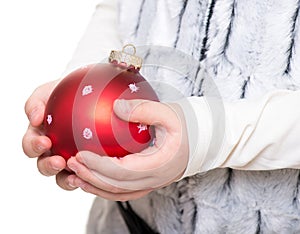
155,166
34,144
55,166
111,174
167,119
88,175
115,196
87,181
52,165
35,105
131,167
35,111
146,112
109,194
84,179
67,180
122,179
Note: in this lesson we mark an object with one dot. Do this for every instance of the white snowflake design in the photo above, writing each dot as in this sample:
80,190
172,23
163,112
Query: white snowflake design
49,119
87,90
87,133
142,127
133,88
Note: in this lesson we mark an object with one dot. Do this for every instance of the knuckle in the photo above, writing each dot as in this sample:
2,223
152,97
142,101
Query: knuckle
45,172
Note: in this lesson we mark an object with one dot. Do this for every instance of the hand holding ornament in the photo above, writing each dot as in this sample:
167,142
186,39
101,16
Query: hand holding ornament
137,174
113,178
35,143
155,164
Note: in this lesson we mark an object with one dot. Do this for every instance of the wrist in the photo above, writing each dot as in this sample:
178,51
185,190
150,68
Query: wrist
199,123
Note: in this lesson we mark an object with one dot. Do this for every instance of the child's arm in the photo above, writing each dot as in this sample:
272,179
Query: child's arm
261,134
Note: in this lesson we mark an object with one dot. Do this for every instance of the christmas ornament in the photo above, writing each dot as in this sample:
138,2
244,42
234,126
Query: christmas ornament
79,114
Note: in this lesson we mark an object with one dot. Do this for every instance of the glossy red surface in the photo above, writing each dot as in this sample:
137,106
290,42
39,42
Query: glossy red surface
79,114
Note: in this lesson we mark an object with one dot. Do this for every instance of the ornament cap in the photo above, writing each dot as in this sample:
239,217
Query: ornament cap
122,57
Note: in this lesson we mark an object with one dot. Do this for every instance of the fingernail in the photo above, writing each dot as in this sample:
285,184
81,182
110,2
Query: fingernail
56,168
38,148
41,148
72,185
122,106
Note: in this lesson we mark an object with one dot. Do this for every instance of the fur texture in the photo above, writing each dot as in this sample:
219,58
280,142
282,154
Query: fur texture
247,48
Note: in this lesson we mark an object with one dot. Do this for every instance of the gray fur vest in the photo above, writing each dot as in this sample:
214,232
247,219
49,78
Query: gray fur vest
247,48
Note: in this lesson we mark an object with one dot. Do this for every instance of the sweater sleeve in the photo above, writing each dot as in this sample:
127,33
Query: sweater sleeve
261,134
100,37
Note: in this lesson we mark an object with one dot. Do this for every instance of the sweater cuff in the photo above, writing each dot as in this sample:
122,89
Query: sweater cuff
199,123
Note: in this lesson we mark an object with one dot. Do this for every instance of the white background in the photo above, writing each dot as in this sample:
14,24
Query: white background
37,39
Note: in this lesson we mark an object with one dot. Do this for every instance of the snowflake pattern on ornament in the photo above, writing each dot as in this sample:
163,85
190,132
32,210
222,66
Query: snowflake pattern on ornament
142,127
87,133
87,90
49,119
133,88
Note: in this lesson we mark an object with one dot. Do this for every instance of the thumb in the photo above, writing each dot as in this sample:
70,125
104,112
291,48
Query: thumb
145,111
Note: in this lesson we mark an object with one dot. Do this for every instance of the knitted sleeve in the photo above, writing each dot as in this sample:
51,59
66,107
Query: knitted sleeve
260,134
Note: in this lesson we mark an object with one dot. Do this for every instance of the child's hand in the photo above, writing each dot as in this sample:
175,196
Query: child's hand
35,143
135,175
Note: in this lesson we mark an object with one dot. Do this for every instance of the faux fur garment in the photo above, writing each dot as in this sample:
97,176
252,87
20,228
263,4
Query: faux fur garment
246,48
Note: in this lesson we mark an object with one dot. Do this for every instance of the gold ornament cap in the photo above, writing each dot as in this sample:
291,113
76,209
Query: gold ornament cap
122,57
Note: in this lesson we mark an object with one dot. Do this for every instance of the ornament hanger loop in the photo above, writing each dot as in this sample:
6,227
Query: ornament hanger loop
125,58
129,45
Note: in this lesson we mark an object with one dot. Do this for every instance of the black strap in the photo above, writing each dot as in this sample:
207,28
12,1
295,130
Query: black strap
135,224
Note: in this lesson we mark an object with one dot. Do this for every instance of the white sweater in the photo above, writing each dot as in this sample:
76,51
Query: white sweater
241,108
256,133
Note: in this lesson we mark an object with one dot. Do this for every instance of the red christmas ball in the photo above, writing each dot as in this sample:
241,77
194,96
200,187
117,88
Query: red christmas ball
79,113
